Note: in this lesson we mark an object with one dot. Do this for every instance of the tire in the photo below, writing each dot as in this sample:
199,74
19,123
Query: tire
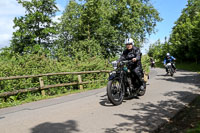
141,93
171,71
114,88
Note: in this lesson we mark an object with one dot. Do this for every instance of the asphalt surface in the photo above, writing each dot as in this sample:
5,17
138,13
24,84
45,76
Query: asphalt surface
91,112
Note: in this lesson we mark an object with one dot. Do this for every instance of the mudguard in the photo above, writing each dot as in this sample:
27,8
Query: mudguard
111,76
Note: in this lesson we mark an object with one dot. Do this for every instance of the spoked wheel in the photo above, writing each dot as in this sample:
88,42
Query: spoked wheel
115,92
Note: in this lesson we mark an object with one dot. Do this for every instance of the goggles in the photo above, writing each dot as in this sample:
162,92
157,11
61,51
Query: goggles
129,44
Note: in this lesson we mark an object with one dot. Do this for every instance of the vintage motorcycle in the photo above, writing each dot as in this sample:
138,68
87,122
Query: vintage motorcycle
170,69
120,86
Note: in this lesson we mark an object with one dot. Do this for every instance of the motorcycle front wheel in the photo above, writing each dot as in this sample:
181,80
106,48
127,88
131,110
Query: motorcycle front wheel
171,71
115,92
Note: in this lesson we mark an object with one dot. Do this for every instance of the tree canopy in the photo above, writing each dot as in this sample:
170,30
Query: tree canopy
91,27
184,41
107,22
36,29
185,35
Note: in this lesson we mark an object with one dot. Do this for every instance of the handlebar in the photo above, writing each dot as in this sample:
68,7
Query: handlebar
126,61
115,64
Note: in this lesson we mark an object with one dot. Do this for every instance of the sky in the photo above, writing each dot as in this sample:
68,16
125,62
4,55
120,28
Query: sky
170,11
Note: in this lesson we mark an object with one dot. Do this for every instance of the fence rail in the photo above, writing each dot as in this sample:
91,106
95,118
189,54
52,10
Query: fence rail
53,74
42,86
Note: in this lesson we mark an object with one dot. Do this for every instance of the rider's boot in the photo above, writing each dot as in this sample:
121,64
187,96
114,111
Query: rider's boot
127,93
142,87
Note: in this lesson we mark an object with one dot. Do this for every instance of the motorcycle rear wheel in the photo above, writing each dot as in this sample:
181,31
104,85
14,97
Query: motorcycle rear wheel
115,92
141,93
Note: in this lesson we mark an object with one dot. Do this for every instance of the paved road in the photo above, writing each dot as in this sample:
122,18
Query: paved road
90,112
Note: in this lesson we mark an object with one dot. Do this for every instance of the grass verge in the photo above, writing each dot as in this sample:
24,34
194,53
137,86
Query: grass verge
183,66
189,66
40,97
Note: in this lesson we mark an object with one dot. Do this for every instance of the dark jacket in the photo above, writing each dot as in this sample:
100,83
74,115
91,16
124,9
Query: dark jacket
130,54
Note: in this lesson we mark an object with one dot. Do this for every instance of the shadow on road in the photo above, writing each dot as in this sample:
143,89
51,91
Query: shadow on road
47,127
105,102
186,78
149,116
2,117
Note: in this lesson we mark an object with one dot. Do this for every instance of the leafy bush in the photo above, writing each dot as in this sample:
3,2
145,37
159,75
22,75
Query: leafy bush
34,64
146,63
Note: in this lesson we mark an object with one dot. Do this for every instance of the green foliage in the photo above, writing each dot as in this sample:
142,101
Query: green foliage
33,64
195,130
107,22
89,33
36,29
184,42
146,63
157,51
189,66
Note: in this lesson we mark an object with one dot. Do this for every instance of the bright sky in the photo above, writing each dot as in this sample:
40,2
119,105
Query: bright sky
170,10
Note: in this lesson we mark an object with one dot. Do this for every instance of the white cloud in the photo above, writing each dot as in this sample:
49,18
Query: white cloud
6,30
5,40
60,7
56,18
6,25
9,9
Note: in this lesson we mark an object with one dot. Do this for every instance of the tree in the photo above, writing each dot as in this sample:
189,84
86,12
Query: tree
184,41
185,34
107,22
157,50
36,29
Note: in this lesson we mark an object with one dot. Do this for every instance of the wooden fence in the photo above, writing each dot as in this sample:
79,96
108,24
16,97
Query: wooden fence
42,86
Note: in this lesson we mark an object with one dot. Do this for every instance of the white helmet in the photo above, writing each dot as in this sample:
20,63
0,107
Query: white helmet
129,41
168,54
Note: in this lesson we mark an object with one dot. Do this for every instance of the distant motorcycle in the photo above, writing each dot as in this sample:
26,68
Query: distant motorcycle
120,86
170,68
152,62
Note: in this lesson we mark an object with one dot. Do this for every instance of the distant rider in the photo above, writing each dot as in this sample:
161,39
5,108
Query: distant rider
133,53
169,59
152,62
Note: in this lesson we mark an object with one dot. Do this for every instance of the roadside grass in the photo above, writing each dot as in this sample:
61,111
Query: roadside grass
189,66
195,130
188,119
14,102
183,66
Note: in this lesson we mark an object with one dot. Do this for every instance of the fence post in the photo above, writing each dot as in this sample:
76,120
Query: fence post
41,86
80,82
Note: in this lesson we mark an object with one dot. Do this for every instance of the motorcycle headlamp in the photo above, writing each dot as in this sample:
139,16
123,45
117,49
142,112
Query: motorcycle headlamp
114,64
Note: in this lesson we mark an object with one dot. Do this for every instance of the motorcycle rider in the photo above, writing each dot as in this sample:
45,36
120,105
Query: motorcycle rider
152,62
169,59
133,53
